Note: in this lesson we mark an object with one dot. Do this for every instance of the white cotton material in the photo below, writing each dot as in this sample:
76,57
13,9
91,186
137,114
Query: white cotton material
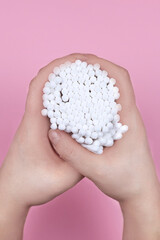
81,99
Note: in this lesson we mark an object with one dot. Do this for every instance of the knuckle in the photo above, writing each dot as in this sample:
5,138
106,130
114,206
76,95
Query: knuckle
30,95
80,56
32,83
124,72
40,71
91,55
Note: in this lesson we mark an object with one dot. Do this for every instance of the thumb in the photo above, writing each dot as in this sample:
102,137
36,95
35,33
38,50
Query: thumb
72,152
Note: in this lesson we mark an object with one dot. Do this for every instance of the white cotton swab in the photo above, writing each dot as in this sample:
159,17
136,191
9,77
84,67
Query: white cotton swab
80,98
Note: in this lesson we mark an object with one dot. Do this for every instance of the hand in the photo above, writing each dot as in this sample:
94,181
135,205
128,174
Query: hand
32,172
124,171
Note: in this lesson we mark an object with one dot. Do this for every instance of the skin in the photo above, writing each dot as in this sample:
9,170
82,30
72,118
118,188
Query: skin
33,172
125,171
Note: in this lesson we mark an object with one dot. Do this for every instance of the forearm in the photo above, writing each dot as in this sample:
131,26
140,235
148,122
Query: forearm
142,217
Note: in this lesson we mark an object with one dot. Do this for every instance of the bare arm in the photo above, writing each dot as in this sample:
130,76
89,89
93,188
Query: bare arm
32,173
124,171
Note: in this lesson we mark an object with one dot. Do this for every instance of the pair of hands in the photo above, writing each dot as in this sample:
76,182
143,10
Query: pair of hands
41,165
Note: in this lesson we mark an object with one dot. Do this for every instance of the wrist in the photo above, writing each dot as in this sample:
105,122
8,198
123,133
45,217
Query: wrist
12,220
12,215
142,216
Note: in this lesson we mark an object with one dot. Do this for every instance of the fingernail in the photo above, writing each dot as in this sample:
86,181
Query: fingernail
55,137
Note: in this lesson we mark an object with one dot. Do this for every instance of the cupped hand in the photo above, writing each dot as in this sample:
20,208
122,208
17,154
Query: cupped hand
32,172
126,169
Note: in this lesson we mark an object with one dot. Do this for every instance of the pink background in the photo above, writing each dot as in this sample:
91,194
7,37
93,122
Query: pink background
34,32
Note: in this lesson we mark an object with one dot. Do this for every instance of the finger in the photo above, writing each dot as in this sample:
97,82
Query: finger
72,152
34,99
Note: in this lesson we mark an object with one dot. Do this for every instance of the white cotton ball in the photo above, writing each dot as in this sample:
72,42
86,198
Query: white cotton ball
62,74
45,97
117,136
52,84
46,103
53,126
53,120
110,117
56,70
78,62
94,135
107,135
67,63
44,112
116,118
58,80
56,114
84,64
96,66
114,111
85,127
100,134
68,70
91,128
58,88
80,140
119,107
117,125
112,131
68,129
65,98
92,147
51,77
50,97
124,128
82,132
56,93
109,142
74,130
92,79
88,133
102,140
73,66
104,73
75,136
62,67
97,128
106,79
50,114
100,78
113,81
47,84
96,143
116,95
61,127
59,120
46,90
88,140
105,129
89,67
100,150
110,125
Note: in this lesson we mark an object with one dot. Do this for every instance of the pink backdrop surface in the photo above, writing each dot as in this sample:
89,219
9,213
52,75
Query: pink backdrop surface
33,33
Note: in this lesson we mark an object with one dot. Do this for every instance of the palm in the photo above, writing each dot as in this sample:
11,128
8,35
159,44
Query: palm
34,167
50,173
122,165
